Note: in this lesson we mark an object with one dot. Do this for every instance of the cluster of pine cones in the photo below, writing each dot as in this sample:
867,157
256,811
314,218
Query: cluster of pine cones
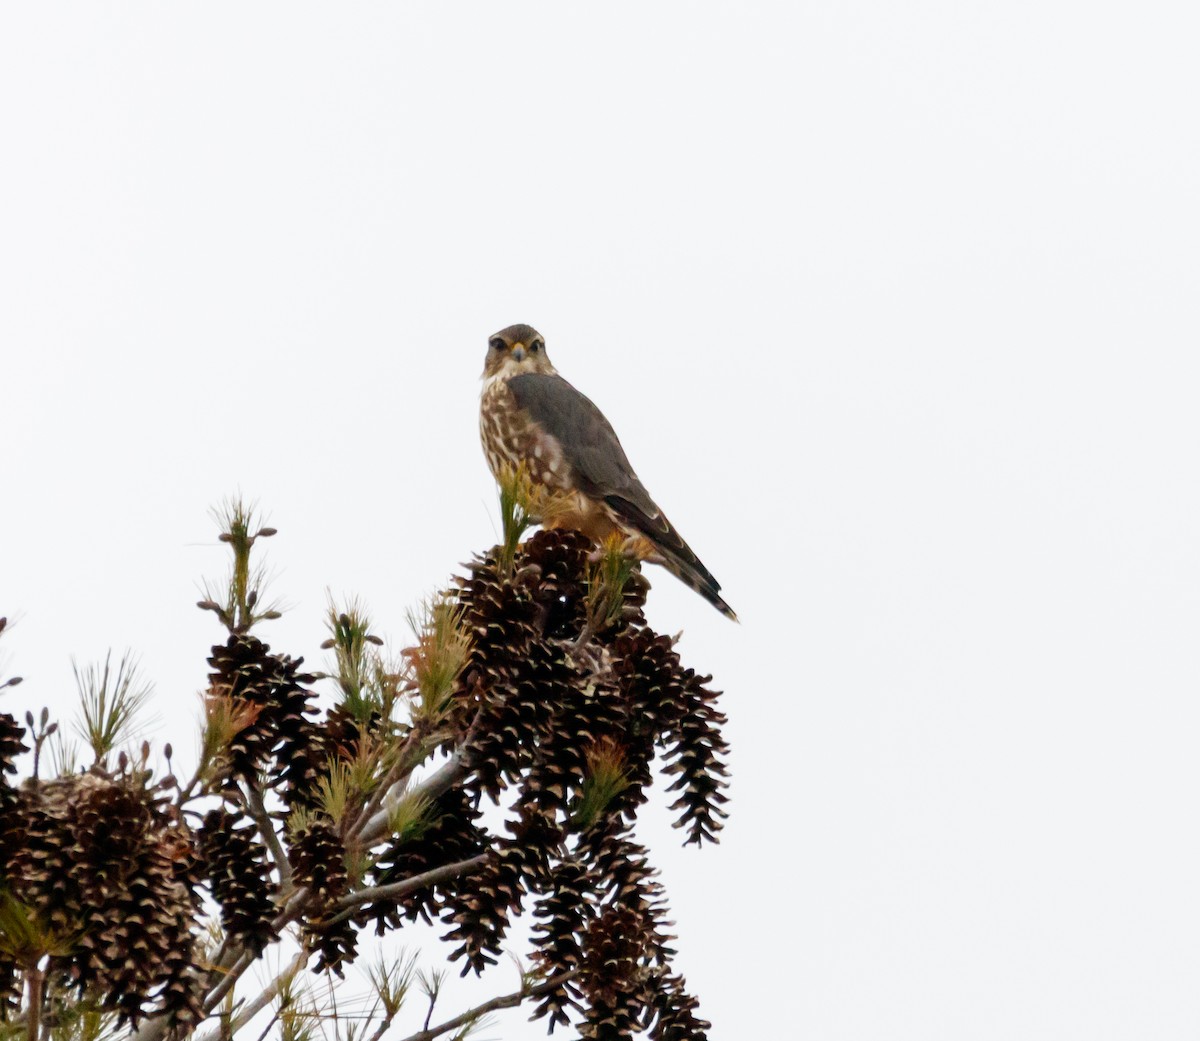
110,875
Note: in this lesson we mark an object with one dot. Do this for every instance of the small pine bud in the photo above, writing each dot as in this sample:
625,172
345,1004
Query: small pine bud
208,605
328,644
167,751
225,537
270,615
372,638
51,728
266,533
252,598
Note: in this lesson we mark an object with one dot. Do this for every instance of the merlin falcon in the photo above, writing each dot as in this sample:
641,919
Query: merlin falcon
529,415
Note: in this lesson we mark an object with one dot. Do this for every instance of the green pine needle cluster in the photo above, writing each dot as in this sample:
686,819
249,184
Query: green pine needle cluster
607,579
438,657
607,777
109,703
524,503
366,686
242,608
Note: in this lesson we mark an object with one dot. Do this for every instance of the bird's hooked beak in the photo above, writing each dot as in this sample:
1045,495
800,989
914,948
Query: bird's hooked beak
518,351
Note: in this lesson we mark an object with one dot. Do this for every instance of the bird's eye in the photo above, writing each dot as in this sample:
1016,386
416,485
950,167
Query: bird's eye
535,346
496,343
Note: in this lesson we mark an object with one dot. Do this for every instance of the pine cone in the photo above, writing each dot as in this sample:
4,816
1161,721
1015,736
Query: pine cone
245,670
240,878
612,976
11,746
675,1012
318,859
673,704
563,917
105,870
694,755
450,836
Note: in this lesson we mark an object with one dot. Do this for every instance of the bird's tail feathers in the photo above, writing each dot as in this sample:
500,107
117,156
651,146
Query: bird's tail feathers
671,551
699,579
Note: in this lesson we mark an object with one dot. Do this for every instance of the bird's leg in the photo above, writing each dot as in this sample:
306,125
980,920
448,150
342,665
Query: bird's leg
635,547
641,549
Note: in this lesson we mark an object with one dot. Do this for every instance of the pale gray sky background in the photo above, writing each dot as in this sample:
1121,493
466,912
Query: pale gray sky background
894,308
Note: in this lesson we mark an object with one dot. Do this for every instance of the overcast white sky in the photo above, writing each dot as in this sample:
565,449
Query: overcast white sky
894,308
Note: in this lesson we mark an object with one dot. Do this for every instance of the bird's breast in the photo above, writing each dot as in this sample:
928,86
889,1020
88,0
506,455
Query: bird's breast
511,438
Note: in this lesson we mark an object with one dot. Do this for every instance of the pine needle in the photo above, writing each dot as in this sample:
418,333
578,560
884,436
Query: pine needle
110,703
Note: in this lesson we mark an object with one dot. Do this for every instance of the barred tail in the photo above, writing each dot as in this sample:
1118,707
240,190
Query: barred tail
670,550
699,578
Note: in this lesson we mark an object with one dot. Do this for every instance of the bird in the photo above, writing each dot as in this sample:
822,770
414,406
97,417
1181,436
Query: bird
530,416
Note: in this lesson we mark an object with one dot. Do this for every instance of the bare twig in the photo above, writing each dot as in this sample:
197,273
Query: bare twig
293,909
254,1007
230,977
220,954
399,772
350,901
507,1001
442,780
35,978
437,783
184,794
381,1029
267,1029
258,810
230,963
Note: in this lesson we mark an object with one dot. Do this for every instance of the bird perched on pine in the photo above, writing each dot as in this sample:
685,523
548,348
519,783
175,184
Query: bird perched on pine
529,416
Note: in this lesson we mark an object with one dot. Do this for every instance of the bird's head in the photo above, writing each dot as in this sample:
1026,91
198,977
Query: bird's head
516,350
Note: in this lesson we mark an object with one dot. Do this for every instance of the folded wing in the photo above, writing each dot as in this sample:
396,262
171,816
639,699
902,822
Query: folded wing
602,471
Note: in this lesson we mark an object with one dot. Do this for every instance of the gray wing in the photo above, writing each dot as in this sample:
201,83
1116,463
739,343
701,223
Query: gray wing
602,470
588,441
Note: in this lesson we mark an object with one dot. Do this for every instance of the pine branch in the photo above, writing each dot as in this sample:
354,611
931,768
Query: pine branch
382,1029
298,904
495,1004
550,692
36,980
396,775
437,783
254,1007
409,885
229,979
258,812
